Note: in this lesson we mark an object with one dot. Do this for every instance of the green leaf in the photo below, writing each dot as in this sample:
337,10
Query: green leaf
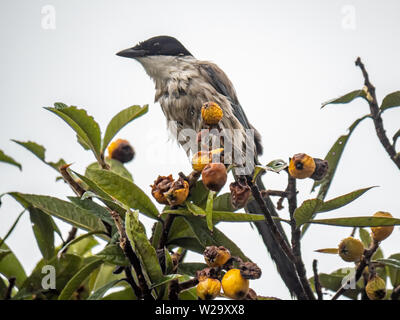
346,98
223,203
392,100
78,278
98,210
334,204
63,210
209,211
307,209
276,166
9,160
115,166
365,237
65,268
195,210
42,226
394,272
4,253
190,268
217,238
333,157
166,279
124,191
198,194
358,221
84,125
169,265
113,254
121,120
12,228
126,294
11,267
341,201
82,245
142,246
99,293
394,263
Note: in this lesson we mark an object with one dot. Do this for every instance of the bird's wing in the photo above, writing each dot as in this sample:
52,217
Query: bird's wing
224,86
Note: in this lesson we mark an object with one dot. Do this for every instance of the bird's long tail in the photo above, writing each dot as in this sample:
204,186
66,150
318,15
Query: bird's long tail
286,268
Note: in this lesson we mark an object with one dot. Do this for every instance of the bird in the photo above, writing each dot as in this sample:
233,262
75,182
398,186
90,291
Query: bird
183,84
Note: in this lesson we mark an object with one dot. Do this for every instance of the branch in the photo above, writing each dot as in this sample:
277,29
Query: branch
270,222
296,235
396,293
165,231
360,268
317,282
376,115
132,257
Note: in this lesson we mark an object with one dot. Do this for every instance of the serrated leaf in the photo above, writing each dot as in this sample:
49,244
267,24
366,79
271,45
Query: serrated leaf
43,230
346,98
358,221
98,210
40,152
142,246
84,125
343,200
113,254
120,120
99,293
392,100
115,166
63,210
333,157
78,278
124,191
7,159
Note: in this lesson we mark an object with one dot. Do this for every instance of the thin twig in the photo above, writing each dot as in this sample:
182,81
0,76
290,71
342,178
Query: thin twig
396,293
131,281
376,115
274,193
296,235
317,282
167,223
368,253
11,284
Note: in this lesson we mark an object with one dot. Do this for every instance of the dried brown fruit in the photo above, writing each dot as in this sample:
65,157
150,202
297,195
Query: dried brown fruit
216,256
240,194
214,176
161,185
121,150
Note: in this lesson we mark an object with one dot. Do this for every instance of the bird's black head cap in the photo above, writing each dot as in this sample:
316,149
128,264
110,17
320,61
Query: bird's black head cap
156,46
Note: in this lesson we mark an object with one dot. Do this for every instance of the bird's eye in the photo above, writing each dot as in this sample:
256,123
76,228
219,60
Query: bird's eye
156,44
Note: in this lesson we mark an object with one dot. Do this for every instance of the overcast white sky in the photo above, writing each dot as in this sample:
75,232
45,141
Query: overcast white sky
285,58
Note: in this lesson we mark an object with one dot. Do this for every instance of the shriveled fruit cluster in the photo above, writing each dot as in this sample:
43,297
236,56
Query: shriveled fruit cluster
303,166
168,191
121,150
226,271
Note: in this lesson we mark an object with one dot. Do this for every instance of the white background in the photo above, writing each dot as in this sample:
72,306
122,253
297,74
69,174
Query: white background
285,58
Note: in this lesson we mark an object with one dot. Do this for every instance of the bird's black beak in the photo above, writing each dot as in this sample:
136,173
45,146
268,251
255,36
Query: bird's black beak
132,53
